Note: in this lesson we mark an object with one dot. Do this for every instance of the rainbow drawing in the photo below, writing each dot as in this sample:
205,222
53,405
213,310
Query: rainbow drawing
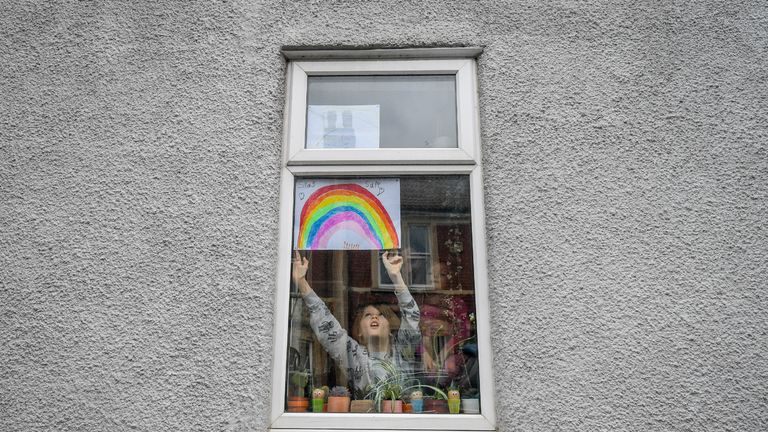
346,216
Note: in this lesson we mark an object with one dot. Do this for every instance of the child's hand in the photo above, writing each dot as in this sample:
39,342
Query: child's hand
300,266
393,263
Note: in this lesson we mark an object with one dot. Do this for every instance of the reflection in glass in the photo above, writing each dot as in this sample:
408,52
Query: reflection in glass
396,111
395,328
419,240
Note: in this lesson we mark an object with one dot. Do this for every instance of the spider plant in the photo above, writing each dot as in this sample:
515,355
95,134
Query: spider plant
395,384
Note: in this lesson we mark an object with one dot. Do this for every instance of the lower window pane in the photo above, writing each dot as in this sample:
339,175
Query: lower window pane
360,338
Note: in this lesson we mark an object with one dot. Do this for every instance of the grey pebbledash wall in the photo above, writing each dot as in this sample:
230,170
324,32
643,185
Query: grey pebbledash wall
626,188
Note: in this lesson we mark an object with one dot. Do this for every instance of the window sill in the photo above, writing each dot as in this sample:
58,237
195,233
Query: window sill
301,422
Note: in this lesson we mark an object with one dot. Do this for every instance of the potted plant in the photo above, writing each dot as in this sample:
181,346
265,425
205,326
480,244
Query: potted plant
338,399
391,401
418,398
318,399
470,401
360,403
436,402
387,392
454,400
417,401
297,401
423,403
361,406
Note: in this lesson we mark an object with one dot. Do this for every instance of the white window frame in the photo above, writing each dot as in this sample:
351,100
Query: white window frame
298,161
299,71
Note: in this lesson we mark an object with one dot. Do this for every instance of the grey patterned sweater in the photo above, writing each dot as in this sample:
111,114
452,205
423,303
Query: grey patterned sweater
366,368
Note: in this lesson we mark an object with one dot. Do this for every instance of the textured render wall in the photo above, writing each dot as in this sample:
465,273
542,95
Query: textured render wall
626,190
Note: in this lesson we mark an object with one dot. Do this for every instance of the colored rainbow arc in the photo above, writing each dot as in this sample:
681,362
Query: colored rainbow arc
346,206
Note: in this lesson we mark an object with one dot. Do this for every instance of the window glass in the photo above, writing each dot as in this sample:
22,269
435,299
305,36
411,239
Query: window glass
389,318
401,111
418,273
419,240
419,265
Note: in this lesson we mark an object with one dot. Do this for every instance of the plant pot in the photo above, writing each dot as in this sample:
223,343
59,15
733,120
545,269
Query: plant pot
361,406
390,406
470,406
338,404
454,406
417,405
317,405
436,406
297,404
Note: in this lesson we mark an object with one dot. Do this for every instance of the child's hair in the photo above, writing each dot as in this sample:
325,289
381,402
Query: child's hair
384,309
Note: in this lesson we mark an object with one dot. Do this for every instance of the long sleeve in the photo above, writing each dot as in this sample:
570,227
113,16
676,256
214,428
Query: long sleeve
329,332
337,342
409,334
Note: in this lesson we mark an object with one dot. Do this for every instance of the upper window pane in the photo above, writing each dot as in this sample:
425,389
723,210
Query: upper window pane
419,240
381,111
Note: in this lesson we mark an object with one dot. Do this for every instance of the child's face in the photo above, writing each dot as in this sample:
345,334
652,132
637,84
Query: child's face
373,324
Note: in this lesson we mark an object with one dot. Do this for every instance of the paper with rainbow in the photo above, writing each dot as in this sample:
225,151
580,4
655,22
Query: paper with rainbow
340,214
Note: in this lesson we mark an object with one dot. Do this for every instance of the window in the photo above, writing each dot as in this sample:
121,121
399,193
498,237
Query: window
381,290
417,239
405,110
